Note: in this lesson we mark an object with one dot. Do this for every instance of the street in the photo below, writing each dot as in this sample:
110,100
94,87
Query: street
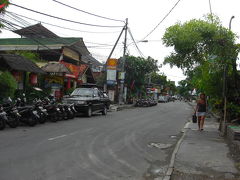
131,144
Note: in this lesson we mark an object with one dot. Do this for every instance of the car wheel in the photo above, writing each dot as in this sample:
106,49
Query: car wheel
89,112
104,112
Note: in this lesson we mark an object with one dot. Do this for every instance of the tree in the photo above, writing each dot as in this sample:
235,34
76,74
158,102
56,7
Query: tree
196,41
203,48
8,85
138,70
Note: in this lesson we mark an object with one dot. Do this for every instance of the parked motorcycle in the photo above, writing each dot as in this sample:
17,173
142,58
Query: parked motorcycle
12,113
54,113
42,112
3,118
28,114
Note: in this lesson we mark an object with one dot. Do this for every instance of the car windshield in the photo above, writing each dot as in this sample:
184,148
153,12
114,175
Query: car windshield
82,92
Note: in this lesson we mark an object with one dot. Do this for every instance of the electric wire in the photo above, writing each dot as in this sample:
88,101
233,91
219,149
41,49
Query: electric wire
101,45
11,27
62,27
63,19
161,20
87,12
141,54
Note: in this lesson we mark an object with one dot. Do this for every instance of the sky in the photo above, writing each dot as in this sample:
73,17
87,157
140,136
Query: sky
143,16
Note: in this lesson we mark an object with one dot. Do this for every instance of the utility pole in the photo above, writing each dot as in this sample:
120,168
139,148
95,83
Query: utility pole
121,101
225,86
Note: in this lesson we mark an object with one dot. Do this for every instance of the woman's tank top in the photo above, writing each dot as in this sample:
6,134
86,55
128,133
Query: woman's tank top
202,107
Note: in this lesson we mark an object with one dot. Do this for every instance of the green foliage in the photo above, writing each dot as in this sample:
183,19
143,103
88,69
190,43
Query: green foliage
137,72
159,79
202,48
101,80
184,87
195,40
233,111
34,57
8,85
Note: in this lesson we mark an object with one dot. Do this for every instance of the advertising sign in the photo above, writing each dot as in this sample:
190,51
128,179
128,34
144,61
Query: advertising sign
111,71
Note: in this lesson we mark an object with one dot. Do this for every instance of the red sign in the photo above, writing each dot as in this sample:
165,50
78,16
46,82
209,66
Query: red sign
76,70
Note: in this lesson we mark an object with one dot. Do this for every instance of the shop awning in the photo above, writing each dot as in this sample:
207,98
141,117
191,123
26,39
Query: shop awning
19,63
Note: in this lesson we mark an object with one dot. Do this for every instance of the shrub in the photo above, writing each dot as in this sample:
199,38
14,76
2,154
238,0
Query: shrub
8,85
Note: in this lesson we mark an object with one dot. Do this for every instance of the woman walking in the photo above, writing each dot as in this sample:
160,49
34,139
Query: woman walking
200,111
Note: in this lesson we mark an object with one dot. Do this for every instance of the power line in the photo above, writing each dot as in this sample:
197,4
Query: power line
87,12
63,19
12,27
162,20
141,54
62,27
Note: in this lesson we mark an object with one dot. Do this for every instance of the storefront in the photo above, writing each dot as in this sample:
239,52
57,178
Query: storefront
21,68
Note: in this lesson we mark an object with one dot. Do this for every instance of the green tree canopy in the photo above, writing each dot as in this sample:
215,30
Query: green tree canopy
8,85
138,70
196,40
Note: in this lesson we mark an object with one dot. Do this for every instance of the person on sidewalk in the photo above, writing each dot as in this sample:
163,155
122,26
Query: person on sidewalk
200,111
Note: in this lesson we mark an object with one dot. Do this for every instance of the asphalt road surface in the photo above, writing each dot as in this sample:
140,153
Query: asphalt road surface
131,144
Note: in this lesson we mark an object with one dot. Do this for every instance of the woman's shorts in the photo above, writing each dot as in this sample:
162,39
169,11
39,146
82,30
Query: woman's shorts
200,113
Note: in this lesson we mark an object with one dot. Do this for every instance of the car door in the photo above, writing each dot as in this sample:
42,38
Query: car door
96,105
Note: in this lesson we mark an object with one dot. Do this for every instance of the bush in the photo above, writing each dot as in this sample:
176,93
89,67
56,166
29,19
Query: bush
8,85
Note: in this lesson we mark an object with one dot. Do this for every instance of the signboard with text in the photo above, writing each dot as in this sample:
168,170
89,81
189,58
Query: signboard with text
111,71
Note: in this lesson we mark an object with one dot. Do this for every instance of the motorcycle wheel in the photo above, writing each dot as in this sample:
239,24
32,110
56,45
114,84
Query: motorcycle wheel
65,116
32,121
13,122
54,117
42,119
2,124
72,116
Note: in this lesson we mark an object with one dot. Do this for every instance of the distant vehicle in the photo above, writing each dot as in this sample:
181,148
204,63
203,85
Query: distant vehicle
88,101
163,99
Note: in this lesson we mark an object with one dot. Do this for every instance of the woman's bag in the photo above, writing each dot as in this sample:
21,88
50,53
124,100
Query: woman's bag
194,118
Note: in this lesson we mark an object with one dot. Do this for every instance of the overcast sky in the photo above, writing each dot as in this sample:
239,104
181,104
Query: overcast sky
142,15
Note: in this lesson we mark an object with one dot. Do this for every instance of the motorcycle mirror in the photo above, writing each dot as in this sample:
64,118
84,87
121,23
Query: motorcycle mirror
9,99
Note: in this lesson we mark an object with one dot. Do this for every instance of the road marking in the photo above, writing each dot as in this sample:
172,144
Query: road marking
70,134
57,137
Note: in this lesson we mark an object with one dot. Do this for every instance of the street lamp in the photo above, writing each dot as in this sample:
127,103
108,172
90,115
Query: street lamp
141,41
230,22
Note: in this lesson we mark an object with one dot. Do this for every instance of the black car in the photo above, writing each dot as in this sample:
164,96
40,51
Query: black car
88,101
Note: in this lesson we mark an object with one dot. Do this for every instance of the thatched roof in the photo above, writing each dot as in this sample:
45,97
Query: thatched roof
55,67
19,63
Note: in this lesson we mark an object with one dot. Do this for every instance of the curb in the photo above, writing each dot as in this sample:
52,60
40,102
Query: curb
170,168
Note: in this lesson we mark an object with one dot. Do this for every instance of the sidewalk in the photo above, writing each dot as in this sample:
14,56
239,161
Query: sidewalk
204,155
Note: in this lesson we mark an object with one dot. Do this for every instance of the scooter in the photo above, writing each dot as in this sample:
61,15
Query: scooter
3,118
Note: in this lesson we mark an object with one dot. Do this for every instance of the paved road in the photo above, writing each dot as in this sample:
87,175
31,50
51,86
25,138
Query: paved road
130,144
